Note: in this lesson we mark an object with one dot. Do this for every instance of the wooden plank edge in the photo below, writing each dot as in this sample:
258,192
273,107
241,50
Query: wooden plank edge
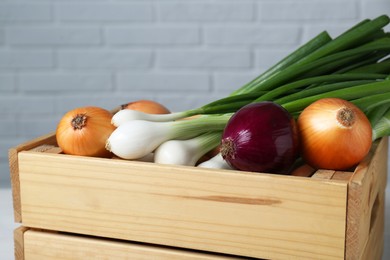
15,183
19,242
48,139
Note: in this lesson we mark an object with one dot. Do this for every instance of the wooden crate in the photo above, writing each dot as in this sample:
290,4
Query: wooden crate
329,215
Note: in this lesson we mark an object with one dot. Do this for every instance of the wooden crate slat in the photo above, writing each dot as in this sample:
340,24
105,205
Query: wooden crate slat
323,174
41,245
304,170
342,176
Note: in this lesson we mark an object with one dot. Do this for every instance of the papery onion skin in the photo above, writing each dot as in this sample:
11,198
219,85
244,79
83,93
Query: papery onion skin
328,144
147,106
84,131
261,137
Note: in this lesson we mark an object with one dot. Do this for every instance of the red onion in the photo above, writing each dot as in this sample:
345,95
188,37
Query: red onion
261,137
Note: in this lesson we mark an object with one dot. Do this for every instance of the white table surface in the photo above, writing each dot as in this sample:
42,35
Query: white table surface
7,225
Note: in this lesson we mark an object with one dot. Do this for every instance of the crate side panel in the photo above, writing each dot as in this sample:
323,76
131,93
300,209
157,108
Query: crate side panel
258,215
365,190
48,139
373,249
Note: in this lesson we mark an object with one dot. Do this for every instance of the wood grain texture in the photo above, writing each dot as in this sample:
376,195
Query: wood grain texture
47,246
365,202
14,168
248,214
374,246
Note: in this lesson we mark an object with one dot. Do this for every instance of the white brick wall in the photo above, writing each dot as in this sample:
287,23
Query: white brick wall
57,55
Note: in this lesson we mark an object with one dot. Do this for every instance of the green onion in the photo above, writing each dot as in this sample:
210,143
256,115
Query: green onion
277,92
349,93
369,102
375,114
186,152
321,89
382,127
364,65
312,45
353,66
137,138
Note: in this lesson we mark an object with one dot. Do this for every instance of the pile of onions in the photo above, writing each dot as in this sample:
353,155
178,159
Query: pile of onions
84,131
146,106
261,137
335,134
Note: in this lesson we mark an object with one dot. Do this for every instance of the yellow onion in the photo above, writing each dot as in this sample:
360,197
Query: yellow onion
146,106
84,131
334,133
